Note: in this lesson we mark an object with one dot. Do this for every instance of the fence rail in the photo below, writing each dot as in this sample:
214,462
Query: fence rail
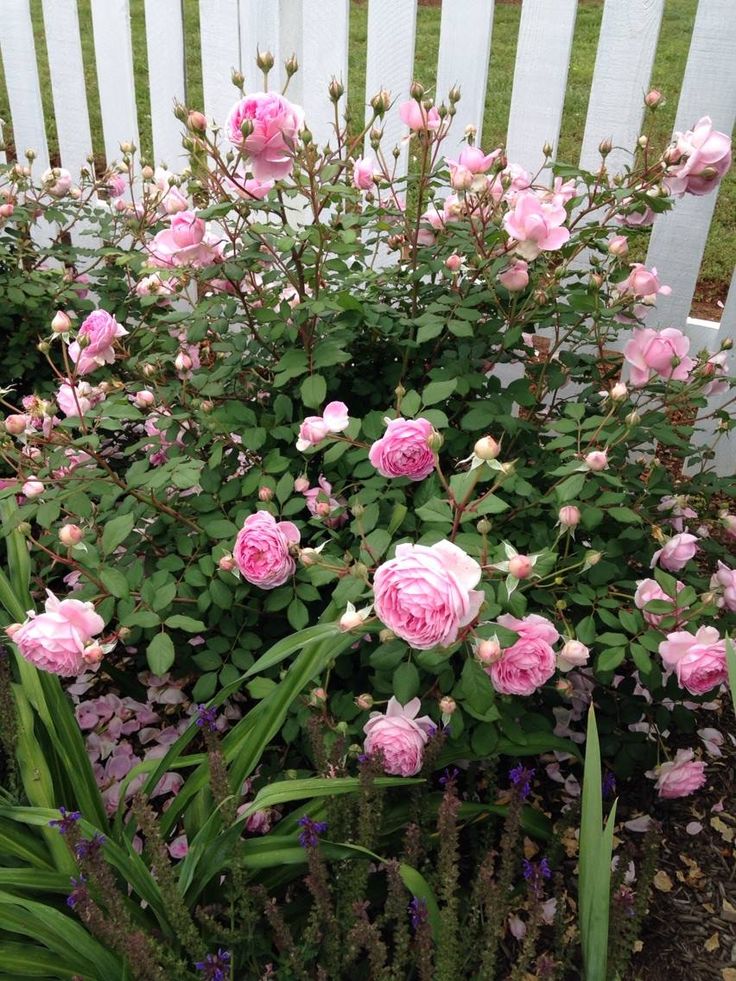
231,32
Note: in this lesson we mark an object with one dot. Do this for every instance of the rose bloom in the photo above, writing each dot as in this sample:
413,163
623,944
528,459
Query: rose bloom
399,736
363,170
574,654
680,777
705,158
618,245
416,117
323,505
716,368
642,282
676,553
186,242
403,450
57,181
698,660
515,277
172,199
100,329
597,460
648,590
530,661
536,225
276,124
80,398
262,550
426,594
569,516
658,352
725,579
55,640
314,429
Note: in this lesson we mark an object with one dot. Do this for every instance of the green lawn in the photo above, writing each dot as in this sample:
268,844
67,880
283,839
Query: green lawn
669,66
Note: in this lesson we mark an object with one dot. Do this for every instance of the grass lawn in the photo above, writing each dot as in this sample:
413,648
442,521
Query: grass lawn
669,67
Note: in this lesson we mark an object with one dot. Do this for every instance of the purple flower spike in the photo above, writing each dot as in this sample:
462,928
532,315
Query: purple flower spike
79,890
450,774
521,777
88,847
311,830
609,784
215,967
207,718
66,822
417,912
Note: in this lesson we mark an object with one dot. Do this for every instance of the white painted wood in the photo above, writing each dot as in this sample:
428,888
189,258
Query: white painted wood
540,79
68,88
466,27
390,65
220,41
166,78
114,60
21,78
260,22
623,68
709,88
324,55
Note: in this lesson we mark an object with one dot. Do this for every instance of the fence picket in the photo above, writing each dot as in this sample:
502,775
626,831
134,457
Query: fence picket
260,24
68,87
115,78
540,79
466,27
220,43
165,77
623,68
324,54
709,86
390,64
21,78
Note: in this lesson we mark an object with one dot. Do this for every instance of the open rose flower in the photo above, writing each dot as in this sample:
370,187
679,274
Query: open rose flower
403,450
56,639
314,429
724,581
416,117
78,399
275,125
703,158
530,661
426,593
323,505
698,660
399,736
680,777
658,352
186,242
262,550
648,590
536,225
676,553
99,331
364,169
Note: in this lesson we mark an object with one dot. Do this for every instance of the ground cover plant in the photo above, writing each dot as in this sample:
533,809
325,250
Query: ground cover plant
341,498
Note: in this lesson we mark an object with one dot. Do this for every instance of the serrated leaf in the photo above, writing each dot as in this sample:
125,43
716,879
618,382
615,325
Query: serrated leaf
116,531
115,582
438,391
160,653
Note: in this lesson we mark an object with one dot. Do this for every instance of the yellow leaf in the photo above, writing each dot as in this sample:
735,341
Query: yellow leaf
712,943
662,881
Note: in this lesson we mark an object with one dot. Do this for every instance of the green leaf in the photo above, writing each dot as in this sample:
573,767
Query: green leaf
570,487
313,390
611,659
115,582
731,661
160,653
438,391
141,618
116,531
189,624
405,682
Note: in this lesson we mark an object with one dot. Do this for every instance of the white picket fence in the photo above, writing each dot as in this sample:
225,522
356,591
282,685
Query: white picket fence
317,32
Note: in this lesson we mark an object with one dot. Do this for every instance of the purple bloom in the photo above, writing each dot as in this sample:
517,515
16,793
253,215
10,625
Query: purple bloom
521,777
311,830
609,784
535,873
79,890
66,822
417,912
88,847
449,776
207,718
215,967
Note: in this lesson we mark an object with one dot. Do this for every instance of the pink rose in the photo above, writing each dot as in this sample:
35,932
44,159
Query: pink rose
248,188
725,579
263,550
648,590
729,523
676,553
680,777
275,125
698,660
55,640
426,594
530,661
399,736
363,171
314,429
171,199
403,450
474,160
716,368
186,242
642,282
416,117
515,277
78,399
536,225
596,460
100,331
323,505
703,156
116,185
618,245
569,516
658,352
574,654
57,181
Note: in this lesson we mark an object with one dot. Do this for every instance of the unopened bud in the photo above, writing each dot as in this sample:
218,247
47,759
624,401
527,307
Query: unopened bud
633,418
381,102
197,121
564,687
569,516
336,90
593,558
350,620
246,128
227,563
399,391
520,566
709,598
435,441
386,636
182,362
652,99
448,705
33,488
70,535
484,526
359,570
643,141
306,136
453,262
317,696
265,494
43,347
16,424
364,702
301,484
726,344
291,65
309,556
264,60
126,147
605,147
93,654
488,651
416,90
144,399
237,78
454,95
547,149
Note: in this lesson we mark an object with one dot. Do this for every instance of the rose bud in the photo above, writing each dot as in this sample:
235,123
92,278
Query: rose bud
61,323
652,99
33,488
70,535
520,566
618,245
619,391
364,702
16,424
453,262
197,121
447,705
572,655
144,399
488,651
93,654
486,448
597,460
350,620
226,563
265,494
301,484
569,516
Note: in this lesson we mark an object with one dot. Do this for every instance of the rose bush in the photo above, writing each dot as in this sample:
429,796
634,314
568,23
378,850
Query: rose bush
332,440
